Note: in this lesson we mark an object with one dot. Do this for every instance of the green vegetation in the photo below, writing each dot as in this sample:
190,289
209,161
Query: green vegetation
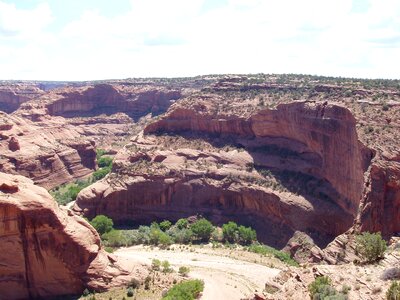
155,265
370,247
393,293
186,290
232,233
68,192
321,289
184,232
202,230
102,224
166,267
184,271
267,250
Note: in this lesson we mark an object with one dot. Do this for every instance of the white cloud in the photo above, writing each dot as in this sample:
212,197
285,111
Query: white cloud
179,38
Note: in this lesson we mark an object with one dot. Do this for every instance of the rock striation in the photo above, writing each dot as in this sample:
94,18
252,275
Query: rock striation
274,169
50,156
46,251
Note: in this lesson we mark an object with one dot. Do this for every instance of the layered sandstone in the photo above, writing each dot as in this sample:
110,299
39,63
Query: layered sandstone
50,155
46,251
13,95
281,173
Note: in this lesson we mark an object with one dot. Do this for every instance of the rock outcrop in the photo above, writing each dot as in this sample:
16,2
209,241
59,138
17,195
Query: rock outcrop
110,99
13,95
46,251
281,172
50,155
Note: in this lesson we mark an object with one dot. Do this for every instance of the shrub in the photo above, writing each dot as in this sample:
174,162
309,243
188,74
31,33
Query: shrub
68,192
264,250
158,237
321,289
130,292
182,223
147,281
230,232
393,293
86,293
370,246
100,153
247,235
166,267
155,264
114,238
187,290
180,236
104,161
184,271
165,225
101,173
134,283
202,230
102,224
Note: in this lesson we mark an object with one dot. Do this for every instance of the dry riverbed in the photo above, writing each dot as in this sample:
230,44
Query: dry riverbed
227,273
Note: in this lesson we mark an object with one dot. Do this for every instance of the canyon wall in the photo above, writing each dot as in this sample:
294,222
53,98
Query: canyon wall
44,250
313,161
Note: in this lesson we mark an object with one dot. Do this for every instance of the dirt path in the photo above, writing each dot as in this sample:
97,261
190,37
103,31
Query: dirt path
224,277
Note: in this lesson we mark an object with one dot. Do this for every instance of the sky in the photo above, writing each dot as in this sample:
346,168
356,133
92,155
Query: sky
102,39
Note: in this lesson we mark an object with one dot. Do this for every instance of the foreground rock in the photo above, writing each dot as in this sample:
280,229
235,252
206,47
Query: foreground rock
47,252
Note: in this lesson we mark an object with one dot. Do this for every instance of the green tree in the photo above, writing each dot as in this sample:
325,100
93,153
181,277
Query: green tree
182,223
202,229
230,232
370,246
165,225
246,235
102,224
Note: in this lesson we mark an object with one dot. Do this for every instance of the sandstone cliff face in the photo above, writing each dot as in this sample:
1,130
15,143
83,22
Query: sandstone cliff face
109,99
50,156
13,95
320,135
45,251
296,184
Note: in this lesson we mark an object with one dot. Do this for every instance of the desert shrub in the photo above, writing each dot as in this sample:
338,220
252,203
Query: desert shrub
165,225
68,192
230,232
187,290
134,283
158,237
101,173
182,223
180,236
393,293
130,292
267,250
202,230
114,238
166,267
370,246
321,289
247,235
155,264
104,161
109,249
217,235
147,281
184,271
100,153
102,224
391,274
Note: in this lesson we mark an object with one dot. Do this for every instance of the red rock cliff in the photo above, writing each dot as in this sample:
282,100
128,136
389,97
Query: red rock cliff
46,252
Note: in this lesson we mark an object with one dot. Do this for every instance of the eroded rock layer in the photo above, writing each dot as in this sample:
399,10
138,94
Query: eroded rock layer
276,170
45,251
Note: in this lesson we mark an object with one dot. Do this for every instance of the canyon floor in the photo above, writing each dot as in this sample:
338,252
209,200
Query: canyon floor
226,275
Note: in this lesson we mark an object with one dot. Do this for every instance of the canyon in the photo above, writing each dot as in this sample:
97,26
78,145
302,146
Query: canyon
282,154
